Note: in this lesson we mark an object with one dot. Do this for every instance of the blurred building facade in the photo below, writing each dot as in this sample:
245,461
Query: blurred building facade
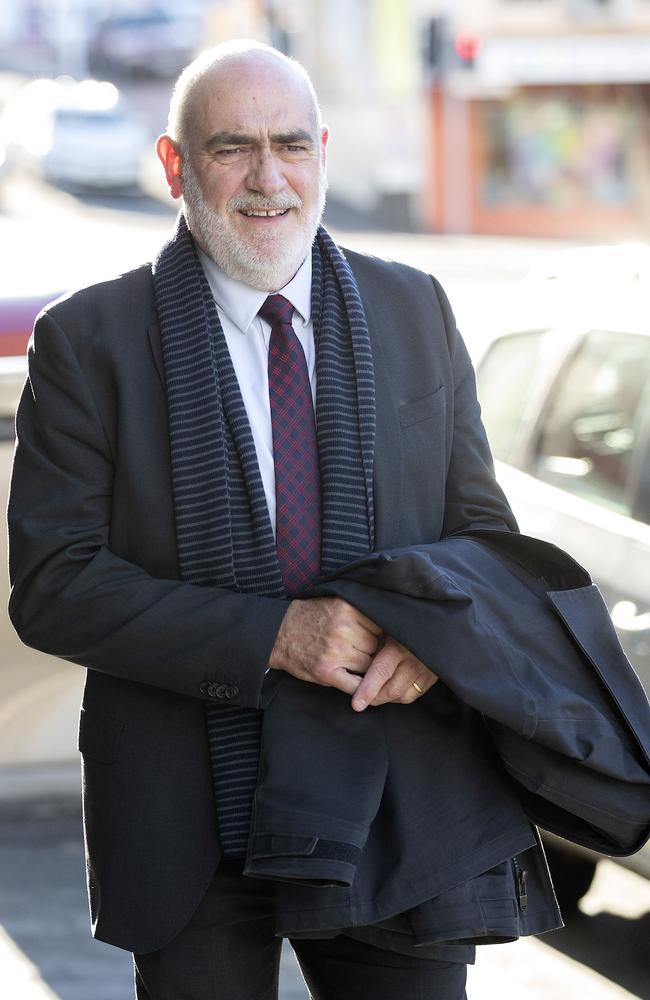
480,116
539,118
364,58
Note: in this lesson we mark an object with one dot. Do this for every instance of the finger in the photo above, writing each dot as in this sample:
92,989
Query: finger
365,643
328,671
348,614
424,681
369,625
402,688
353,629
380,670
399,686
351,658
345,681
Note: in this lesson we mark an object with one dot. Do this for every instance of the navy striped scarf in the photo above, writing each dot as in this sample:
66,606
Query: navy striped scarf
223,529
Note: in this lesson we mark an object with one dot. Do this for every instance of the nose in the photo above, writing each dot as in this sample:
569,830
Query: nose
265,174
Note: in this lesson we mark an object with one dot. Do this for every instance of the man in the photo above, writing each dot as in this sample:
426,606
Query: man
173,491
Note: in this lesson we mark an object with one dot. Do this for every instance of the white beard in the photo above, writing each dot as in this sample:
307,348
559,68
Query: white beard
270,262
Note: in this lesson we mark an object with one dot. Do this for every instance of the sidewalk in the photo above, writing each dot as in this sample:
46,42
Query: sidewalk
46,949
47,953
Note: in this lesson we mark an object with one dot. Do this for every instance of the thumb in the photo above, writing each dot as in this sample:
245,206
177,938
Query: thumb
382,667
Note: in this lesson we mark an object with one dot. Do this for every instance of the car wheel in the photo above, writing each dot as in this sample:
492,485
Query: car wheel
572,876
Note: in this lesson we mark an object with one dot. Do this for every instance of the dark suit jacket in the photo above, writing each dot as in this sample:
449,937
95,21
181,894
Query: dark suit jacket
95,576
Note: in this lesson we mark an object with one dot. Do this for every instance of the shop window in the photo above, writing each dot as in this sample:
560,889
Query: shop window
561,150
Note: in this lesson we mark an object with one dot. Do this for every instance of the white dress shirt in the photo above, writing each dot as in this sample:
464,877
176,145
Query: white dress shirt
248,336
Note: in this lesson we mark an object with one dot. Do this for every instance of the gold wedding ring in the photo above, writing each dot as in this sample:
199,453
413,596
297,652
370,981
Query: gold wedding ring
417,687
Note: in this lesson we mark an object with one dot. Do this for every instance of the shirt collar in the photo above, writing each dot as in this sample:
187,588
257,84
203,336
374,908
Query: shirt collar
241,303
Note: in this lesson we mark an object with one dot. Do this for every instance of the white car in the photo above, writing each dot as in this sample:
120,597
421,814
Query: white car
77,133
565,395
149,43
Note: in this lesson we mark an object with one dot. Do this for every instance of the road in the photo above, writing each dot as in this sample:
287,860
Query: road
46,951
54,240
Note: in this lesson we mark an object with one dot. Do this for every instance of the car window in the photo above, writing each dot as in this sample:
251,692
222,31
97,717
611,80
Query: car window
594,422
507,378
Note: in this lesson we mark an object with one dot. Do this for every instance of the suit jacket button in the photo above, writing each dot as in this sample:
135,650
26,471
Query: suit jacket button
232,691
212,690
221,691
203,687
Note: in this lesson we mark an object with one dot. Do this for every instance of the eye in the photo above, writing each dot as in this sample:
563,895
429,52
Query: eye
229,152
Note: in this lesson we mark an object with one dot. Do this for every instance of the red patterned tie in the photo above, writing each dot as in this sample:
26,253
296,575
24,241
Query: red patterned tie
295,451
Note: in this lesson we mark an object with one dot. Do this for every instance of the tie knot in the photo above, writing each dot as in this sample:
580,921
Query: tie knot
277,310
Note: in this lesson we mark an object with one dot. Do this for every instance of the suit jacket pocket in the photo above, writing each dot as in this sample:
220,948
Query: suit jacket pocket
99,736
422,409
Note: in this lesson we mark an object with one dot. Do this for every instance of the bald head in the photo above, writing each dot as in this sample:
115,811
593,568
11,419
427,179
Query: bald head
246,152
229,68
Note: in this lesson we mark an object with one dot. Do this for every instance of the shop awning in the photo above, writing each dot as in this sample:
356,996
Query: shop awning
526,60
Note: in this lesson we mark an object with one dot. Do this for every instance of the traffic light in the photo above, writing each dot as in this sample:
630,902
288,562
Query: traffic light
433,45
466,47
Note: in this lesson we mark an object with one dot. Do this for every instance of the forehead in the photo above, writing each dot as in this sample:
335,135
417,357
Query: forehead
251,93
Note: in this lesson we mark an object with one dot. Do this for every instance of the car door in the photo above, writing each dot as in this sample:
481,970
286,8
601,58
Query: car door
568,415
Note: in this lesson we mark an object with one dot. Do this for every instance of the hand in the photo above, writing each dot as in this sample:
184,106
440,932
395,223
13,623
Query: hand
326,641
390,677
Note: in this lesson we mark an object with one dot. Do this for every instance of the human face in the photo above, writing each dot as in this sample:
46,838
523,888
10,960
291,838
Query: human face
253,175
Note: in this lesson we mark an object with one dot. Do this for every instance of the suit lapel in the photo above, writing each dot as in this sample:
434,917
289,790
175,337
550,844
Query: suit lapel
156,350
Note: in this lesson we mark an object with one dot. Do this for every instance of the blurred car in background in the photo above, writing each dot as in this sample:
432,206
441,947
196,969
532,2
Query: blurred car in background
77,133
565,395
4,165
152,43
39,695
17,315
4,170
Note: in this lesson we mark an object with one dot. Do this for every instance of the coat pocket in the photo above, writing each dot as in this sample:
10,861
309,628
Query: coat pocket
99,736
422,409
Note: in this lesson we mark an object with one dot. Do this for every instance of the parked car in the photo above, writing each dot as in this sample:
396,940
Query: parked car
17,314
152,43
565,394
79,133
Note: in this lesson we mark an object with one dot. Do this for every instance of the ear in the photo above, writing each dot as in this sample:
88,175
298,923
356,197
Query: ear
171,159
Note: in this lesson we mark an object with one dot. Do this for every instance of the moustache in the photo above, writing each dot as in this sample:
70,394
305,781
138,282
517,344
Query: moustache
252,203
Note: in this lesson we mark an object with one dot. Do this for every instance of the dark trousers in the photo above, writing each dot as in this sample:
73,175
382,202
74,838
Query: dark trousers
228,952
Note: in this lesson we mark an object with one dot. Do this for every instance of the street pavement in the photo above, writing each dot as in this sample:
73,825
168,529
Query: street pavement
46,951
